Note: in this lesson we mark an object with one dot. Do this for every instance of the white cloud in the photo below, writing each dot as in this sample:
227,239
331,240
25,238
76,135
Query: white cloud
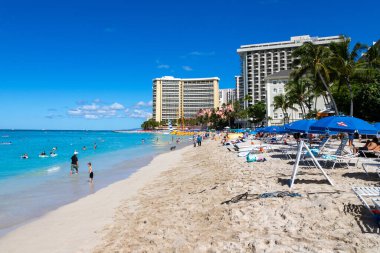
91,116
136,113
198,53
91,107
94,111
75,112
163,66
117,106
143,104
187,68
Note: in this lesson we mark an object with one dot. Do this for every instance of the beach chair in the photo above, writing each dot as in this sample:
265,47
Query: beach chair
374,194
289,152
366,166
364,158
339,157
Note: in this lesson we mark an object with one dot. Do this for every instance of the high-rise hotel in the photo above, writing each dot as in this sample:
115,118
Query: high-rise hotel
261,60
174,98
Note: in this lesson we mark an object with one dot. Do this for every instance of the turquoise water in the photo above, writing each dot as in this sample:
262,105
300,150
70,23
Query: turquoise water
31,187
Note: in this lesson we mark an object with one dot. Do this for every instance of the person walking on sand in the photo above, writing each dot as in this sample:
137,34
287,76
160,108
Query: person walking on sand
199,140
90,172
74,163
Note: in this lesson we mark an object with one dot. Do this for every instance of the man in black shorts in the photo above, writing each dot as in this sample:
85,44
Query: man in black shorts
90,172
74,163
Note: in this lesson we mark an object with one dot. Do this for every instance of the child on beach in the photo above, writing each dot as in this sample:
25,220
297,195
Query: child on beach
90,172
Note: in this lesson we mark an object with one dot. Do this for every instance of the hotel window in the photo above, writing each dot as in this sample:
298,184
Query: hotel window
275,116
281,116
300,115
274,82
279,90
275,90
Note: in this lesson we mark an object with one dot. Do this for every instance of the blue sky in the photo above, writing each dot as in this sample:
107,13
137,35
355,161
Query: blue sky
90,64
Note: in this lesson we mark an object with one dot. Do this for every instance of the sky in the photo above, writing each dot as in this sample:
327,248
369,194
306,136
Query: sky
89,64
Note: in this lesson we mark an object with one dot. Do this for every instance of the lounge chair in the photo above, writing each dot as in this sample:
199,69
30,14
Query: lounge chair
366,166
339,157
374,194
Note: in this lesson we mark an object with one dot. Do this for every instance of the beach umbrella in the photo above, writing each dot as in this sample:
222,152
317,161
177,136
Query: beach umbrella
274,129
343,124
301,126
377,126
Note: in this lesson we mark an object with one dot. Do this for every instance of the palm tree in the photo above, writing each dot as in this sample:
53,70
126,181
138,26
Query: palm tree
343,63
372,56
282,102
313,59
368,67
299,92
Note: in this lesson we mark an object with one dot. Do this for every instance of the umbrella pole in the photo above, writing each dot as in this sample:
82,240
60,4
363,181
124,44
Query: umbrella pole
296,164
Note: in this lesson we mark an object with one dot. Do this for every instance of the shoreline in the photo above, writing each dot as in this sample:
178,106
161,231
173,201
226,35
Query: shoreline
77,225
49,187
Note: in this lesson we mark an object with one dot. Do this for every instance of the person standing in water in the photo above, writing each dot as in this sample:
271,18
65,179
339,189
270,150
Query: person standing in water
74,163
90,172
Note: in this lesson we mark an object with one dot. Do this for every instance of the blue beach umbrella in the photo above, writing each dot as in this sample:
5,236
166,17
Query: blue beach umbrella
301,126
377,126
343,124
274,129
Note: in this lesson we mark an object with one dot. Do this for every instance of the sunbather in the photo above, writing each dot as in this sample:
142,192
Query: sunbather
370,145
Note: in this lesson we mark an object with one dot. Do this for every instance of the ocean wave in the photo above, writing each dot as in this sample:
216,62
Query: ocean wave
53,169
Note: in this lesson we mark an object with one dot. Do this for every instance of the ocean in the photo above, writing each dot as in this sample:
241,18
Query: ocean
32,187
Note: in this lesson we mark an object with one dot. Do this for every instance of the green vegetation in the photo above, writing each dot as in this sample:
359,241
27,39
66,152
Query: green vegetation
149,124
347,79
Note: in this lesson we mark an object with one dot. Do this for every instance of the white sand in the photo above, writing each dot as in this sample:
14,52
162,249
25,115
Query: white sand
174,205
182,211
78,227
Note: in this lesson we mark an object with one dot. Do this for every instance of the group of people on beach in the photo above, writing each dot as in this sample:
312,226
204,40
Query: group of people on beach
197,140
75,167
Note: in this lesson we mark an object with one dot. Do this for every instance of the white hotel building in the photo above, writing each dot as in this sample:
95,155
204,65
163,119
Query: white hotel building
174,98
275,85
261,60
227,96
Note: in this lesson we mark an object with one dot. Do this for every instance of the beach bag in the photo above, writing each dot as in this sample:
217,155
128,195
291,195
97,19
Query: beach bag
253,158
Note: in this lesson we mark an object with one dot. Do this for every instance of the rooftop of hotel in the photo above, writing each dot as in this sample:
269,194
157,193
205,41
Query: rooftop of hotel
186,79
294,41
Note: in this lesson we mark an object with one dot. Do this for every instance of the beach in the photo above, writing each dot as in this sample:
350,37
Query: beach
175,204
